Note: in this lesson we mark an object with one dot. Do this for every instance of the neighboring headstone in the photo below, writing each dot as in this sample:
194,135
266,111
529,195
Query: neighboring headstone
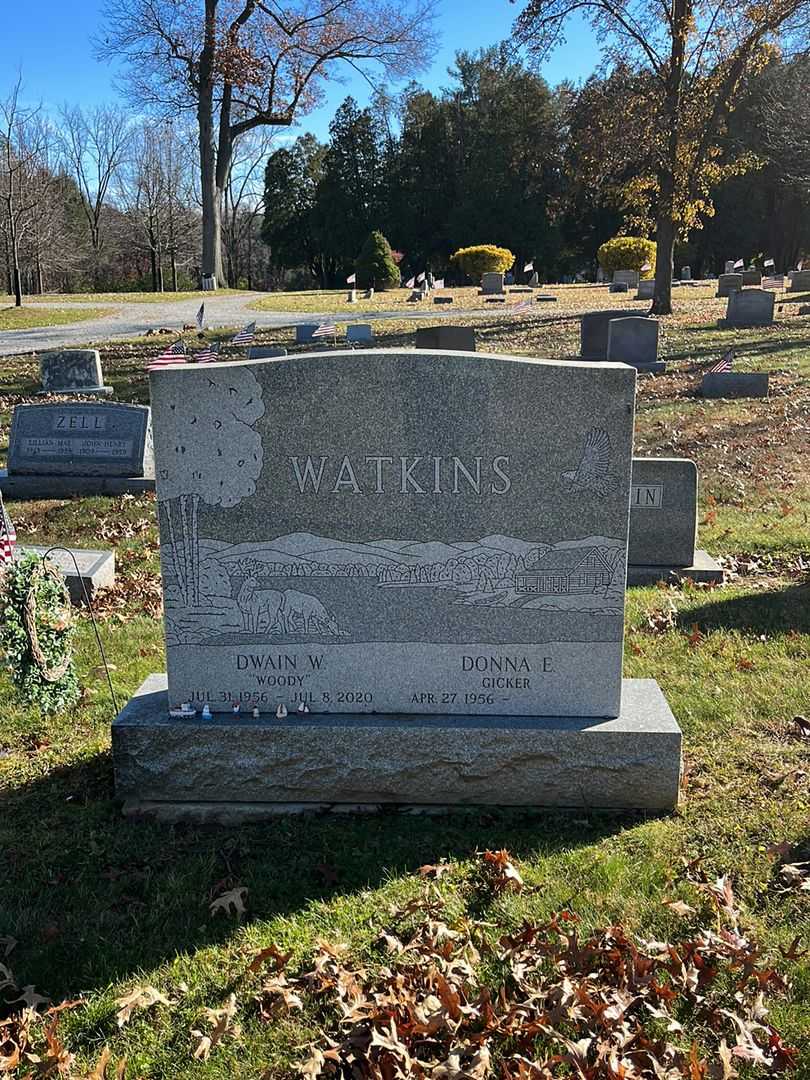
84,570
799,281
369,294
73,371
634,340
360,333
352,297
86,448
735,384
209,283
449,338
494,299
416,296
663,524
304,332
752,277
545,298
686,273
534,280
492,284
646,289
265,352
619,287
750,307
593,331
442,299
437,576
729,283
629,278
729,267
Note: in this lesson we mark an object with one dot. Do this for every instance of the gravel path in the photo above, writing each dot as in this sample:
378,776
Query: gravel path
133,319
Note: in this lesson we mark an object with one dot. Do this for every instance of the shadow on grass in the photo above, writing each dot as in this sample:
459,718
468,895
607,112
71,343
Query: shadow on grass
778,611
92,898
746,349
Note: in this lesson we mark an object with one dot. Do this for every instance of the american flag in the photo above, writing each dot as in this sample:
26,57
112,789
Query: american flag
525,305
438,283
769,262
723,364
739,264
326,329
245,335
645,268
529,266
351,279
8,537
420,278
799,265
208,354
775,282
172,354
201,316
409,284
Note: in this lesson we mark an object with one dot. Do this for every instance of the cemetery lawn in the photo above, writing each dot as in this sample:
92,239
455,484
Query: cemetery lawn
98,907
25,318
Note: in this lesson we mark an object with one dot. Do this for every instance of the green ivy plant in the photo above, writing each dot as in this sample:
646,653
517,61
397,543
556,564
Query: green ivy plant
36,634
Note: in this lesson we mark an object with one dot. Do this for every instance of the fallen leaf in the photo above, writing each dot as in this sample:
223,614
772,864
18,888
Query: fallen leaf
231,902
138,1000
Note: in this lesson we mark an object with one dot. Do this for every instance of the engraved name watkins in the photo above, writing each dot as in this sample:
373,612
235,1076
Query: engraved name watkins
380,474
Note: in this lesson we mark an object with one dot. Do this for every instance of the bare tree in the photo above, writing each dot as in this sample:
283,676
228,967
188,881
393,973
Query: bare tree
244,64
23,176
94,145
243,204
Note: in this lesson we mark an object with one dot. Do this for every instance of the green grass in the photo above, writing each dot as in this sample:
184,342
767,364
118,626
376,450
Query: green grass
99,905
125,297
24,318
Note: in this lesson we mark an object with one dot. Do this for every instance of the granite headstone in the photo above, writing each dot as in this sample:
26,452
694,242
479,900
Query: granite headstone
634,340
491,284
663,512
750,307
73,371
735,384
799,281
729,283
452,338
593,331
265,352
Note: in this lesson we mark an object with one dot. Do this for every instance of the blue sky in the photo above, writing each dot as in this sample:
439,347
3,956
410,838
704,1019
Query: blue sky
50,43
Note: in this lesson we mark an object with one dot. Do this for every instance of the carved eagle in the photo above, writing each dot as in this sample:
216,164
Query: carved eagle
593,473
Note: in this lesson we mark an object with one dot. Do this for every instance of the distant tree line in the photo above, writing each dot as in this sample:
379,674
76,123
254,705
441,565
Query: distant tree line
550,173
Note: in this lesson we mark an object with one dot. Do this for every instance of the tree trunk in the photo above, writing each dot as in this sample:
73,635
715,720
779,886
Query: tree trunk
664,267
211,195
174,270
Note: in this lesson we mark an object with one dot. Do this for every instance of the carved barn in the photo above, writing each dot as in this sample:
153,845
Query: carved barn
571,570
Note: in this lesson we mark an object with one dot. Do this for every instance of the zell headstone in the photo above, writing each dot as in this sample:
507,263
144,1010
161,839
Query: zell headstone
73,371
396,558
83,439
492,284
750,307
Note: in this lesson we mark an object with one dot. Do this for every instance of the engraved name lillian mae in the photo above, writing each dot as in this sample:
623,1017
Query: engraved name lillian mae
380,474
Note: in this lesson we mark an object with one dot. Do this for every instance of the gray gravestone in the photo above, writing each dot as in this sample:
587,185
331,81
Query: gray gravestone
84,439
646,289
729,283
634,340
735,384
73,371
304,332
534,280
442,299
360,334
729,267
265,352
799,281
593,331
619,287
750,307
85,571
428,550
451,338
626,277
663,512
752,277
491,284
686,273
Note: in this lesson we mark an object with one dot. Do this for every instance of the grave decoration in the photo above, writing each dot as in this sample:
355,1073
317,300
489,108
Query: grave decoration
36,634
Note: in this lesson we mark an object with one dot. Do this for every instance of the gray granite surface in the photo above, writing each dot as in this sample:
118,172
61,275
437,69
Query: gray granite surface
85,570
72,371
593,331
632,761
750,307
453,338
735,384
663,512
633,340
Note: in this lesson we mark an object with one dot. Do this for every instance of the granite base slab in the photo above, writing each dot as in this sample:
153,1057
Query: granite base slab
96,569
704,568
63,487
84,391
630,762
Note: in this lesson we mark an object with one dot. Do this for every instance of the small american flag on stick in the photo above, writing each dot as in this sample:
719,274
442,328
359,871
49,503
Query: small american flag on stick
524,305
739,264
528,266
438,283
171,355
769,262
409,284
775,282
8,536
327,329
723,364
351,279
245,336
200,317
420,278
208,354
